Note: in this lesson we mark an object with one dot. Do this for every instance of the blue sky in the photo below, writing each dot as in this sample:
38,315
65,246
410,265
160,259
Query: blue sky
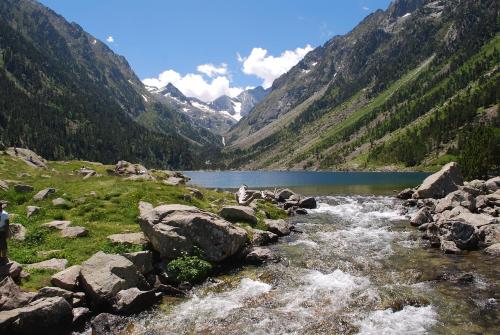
156,36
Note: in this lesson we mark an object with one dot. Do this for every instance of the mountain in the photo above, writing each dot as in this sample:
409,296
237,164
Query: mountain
65,94
405,88
218,115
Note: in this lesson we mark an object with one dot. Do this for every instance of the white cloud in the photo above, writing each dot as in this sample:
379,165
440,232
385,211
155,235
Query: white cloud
110,39
195,85
212,70
268,67
365,8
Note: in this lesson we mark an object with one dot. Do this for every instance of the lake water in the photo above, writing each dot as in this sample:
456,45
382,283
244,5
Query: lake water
310,183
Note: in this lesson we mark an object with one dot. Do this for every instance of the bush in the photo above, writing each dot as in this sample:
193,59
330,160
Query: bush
192,269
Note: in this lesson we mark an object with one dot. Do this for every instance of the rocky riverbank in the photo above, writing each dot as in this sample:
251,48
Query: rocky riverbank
179,245
454,215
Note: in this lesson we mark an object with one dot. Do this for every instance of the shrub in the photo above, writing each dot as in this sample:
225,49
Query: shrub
192,269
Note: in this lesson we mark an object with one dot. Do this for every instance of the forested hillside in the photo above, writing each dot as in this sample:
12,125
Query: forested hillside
411,87
66,95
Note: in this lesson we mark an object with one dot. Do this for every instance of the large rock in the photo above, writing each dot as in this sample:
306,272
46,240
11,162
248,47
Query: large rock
104,275
440,183
132,171
493,184
49,292
493,250
11,269
42,316
173,229
284,194
11,295
17,232
44,194
32,210
454,199
128,238
260,255
261,237
143,260
57,224
133,300
309,203
421,217
278,227
108,324
27,156
238,214
67,279
405,194
57,264
80,316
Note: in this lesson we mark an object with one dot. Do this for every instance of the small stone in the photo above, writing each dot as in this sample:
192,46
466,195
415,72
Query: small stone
17,232
278,227
259,255
449,247
133,300
43,194
128,238
60,202
57,224
4,186
261,237
195,193
32,210
73,232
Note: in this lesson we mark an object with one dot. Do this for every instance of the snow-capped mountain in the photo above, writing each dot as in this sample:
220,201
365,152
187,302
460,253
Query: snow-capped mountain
218,115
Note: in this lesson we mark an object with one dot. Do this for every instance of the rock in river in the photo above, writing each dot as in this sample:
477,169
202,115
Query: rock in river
439,184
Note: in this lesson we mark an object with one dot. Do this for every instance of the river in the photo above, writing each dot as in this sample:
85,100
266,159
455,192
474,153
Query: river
358,267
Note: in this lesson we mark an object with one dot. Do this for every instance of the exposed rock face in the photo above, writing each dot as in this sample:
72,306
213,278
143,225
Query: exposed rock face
27,156
43,194
440,183
43,316
238,214
67,279
133,300
278,227
50,264
128,238
172,229
104,275
11,296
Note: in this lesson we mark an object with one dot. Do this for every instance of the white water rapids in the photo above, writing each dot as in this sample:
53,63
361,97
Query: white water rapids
353,270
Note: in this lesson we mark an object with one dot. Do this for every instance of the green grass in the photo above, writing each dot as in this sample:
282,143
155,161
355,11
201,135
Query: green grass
113,210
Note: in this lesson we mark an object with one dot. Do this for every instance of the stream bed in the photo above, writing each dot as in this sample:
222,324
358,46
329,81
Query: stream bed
358,267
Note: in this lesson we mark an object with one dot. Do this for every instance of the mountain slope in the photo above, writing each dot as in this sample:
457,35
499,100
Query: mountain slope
350,102
66,95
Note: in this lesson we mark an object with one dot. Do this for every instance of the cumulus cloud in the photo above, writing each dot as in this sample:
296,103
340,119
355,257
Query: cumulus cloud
195,85
110,39
212,70
268,67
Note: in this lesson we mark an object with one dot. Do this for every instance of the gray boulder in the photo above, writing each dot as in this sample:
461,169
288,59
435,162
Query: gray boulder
57,224
284,194
57,264
49,292
44,194
309,203
454,199
421,217
11,269
128,238
108,324
278,227
405,194
42,316
17,232
258,255
441,183
195,193
174,181
173,229
261,237
60,202
238,214
27,156
143,260
80,316
32,210
493,250
493,184
74,232
67,279
11,296
104,275
133,300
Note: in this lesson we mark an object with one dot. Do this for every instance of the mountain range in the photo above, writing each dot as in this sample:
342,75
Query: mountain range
409,88
218,115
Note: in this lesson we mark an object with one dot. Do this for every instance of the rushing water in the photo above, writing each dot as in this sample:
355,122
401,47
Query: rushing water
357,268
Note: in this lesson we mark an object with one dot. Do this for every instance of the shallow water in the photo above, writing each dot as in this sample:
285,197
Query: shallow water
357,268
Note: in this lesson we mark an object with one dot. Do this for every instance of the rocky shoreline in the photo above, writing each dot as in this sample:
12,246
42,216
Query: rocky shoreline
106,288
454,215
